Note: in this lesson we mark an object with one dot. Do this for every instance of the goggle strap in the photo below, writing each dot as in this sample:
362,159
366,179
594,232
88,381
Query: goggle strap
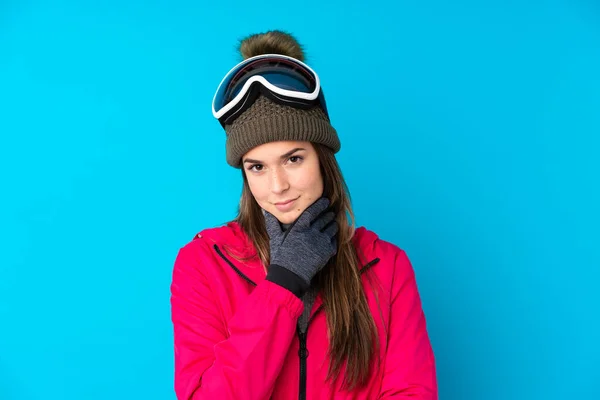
257,89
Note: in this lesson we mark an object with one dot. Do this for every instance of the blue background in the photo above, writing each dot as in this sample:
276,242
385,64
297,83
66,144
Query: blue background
469,138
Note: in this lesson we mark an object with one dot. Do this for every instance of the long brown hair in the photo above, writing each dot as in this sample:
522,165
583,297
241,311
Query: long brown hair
352,330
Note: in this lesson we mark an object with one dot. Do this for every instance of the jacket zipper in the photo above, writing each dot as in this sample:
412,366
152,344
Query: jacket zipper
303,355
237,271
303,349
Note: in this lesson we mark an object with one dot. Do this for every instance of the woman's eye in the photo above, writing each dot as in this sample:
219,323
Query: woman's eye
295,159
255,167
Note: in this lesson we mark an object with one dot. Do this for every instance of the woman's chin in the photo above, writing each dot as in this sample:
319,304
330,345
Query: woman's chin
288,217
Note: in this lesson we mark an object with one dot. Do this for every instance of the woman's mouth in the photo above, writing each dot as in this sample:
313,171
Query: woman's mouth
285,205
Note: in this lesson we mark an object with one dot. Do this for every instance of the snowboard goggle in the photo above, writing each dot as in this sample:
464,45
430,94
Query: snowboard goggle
284,80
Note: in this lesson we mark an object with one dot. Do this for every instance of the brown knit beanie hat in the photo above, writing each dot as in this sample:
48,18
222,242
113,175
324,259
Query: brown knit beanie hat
266,121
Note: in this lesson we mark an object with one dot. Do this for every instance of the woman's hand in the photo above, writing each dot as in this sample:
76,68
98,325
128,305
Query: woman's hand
308,244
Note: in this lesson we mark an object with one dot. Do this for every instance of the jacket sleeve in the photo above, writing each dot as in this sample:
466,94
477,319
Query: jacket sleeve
240,359
409,368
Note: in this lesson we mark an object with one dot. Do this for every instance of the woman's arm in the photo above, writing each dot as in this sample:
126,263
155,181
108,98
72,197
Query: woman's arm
410,365
213,362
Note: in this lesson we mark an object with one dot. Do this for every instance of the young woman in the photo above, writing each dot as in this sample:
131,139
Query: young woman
290,300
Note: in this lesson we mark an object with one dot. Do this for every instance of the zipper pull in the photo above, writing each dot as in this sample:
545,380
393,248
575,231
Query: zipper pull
302,351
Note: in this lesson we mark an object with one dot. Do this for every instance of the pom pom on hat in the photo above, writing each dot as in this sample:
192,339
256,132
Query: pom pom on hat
271,42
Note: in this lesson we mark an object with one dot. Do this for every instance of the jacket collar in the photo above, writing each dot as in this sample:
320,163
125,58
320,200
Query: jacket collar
232,237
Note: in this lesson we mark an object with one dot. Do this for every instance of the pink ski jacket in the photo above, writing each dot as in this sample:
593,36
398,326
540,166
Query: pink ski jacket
236,333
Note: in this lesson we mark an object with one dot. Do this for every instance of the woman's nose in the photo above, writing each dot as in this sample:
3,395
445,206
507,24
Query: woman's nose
279,181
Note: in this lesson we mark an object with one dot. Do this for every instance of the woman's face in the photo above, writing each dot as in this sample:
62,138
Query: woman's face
284,177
